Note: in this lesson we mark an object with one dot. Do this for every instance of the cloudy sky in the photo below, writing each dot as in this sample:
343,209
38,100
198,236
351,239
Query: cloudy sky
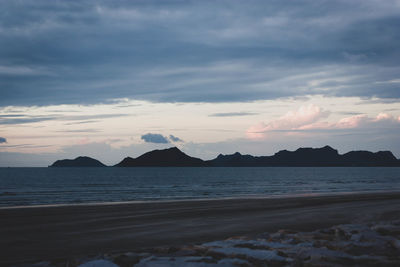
110,79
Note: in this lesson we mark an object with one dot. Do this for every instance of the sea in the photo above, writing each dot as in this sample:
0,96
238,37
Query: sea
54,186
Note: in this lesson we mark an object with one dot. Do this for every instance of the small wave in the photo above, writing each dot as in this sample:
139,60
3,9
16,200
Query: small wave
96,184
8,194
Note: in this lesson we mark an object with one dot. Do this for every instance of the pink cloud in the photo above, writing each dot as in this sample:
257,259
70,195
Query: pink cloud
350,122
309,118
363,121
305,115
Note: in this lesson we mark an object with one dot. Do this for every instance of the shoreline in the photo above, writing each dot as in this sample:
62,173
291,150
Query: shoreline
172,200
59,232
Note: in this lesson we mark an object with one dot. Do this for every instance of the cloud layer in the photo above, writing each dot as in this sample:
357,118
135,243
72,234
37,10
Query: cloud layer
154,138
196,51
28,118
311,119
160,139
232,114
174,138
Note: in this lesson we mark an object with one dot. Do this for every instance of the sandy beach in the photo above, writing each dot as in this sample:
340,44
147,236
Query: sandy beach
33,234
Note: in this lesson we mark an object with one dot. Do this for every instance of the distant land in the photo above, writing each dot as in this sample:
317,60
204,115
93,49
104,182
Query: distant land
170,157
78,162
310,157
303,157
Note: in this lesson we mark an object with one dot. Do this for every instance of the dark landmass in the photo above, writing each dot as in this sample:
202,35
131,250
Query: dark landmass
171,157
309,157
78,162
303,157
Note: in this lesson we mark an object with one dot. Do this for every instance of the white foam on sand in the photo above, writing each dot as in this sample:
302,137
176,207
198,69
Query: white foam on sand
189,261
250,253
341,245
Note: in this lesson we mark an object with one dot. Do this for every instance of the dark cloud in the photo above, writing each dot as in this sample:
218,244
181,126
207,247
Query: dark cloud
26,146
82,119
25,120
87,52
232,114
3,140
155,138
11,115
82,122
174,138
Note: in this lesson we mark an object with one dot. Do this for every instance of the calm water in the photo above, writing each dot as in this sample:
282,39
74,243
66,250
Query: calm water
35,186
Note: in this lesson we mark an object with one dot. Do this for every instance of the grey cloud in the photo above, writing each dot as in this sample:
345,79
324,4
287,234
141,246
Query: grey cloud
90,117
378,101
11,115
155,138
81,131
82,122
349,113
63,111
232,114
25,146
20,71
174,138
196,51
26,118
3,140
391,109
357,125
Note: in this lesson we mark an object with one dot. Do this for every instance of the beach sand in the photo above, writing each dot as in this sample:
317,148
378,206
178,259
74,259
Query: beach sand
33,234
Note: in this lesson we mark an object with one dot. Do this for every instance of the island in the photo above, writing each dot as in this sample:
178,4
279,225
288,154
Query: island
78,162
303,157
170,157
309,157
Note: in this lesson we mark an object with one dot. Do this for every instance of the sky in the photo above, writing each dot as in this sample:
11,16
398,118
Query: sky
110,79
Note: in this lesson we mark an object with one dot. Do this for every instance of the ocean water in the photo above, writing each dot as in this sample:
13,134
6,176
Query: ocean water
43,186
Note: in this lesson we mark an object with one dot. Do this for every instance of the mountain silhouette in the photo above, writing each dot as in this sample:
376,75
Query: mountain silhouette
78,162
171,157
366,158
325,156
236,159
308,157
303,157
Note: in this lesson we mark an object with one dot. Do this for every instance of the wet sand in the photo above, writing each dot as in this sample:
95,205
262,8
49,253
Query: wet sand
33,234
